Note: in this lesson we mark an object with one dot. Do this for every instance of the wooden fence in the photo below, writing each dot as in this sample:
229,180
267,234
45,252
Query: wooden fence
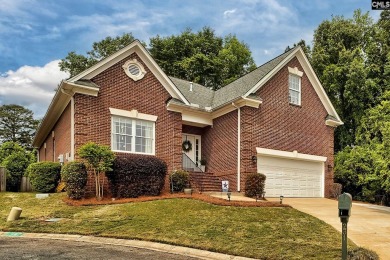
2,179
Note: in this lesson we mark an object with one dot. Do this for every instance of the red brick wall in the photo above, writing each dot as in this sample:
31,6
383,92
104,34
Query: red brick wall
219,147
281,126
61,137
117,90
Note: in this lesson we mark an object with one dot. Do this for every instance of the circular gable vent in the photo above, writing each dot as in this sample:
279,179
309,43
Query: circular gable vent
134,69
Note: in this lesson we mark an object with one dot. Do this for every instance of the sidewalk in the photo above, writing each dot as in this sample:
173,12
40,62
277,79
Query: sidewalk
179,250
236,196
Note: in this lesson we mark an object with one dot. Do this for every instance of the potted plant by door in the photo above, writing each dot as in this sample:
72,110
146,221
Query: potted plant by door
202,163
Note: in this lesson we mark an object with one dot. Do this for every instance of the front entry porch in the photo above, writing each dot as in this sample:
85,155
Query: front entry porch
192,148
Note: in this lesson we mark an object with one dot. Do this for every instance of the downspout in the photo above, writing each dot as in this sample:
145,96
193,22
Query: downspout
71,129
238,147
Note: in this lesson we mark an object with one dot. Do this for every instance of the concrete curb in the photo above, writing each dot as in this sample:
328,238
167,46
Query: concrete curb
178,250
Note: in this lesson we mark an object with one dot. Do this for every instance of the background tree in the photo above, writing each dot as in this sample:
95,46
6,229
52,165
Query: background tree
16,160
344,59
98,159
75,63
17,124
202,57
305,47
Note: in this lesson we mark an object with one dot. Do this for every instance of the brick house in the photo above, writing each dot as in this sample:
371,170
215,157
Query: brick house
275,120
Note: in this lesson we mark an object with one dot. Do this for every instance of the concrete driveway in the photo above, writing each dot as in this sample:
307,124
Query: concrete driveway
369,225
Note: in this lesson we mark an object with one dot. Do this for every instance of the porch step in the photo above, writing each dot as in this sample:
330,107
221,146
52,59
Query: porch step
205,181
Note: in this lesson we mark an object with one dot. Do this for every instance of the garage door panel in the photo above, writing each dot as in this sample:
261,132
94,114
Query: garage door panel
291,178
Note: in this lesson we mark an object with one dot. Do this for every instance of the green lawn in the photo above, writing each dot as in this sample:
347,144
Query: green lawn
265,233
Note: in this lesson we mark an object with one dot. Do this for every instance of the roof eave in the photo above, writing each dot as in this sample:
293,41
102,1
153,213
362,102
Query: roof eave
60,101
333,123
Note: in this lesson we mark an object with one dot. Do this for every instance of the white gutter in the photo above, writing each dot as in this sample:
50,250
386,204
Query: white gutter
238,147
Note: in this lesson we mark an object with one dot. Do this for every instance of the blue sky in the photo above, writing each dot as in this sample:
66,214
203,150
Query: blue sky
36,34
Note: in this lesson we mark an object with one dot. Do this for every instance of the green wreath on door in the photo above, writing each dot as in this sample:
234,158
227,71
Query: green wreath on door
186,146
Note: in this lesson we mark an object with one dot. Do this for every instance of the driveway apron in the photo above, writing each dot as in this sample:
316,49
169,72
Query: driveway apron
368,226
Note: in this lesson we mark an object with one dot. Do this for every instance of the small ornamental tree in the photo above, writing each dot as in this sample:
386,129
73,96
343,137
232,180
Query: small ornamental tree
98,159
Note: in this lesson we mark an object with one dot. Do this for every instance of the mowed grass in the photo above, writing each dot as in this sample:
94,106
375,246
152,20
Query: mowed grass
264,233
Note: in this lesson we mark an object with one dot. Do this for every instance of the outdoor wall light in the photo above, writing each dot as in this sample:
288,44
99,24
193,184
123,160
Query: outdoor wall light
281,199
229,194
254,158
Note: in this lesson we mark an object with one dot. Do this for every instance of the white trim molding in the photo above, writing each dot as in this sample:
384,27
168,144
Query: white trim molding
290,155
333,123
308,70
295,71
132,114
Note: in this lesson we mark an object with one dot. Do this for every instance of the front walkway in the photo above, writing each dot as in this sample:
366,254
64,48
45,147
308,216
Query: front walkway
368,226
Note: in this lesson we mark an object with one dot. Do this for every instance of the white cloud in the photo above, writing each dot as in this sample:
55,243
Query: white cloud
229,13
32,87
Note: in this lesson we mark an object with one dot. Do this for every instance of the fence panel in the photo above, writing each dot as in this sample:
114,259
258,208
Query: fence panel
3,180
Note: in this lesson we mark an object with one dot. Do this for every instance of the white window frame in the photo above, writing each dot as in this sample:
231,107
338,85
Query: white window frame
294,73
135,117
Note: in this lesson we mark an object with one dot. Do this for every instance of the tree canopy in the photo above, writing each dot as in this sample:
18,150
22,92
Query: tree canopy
201,57
350,57
75,63
17,124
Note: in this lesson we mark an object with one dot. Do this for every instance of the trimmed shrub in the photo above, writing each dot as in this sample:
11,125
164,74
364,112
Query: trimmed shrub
44,176
134,175
75,175
179,180
254,184
361,253
16,165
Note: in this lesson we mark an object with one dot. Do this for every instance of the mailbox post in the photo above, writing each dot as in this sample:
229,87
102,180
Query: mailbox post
344,205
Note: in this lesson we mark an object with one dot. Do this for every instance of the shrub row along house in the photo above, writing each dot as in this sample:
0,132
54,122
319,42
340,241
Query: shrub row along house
276,120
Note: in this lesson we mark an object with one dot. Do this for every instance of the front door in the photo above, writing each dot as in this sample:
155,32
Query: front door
195,145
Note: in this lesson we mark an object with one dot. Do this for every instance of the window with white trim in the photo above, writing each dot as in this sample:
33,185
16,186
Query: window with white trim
294,85
132,135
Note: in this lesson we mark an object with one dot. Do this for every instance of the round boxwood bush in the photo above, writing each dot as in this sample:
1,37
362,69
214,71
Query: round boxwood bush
254,184
44,176
75,175
179,180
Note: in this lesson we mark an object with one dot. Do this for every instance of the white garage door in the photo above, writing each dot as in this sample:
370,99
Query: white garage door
291,178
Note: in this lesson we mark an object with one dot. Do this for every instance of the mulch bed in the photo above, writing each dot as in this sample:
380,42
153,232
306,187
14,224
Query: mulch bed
167,195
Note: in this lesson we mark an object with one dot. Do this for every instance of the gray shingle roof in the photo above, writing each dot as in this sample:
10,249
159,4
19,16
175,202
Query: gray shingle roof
199,95
206,97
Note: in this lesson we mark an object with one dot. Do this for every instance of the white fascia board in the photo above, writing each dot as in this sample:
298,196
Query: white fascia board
132,114
311,76
317,86
197,118
241,102
290,155
71,88
57,106
333,123
192,115
105,63
271,73
138,48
